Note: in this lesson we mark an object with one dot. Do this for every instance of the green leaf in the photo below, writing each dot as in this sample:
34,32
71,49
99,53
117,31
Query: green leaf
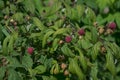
60,31
34,78
94,34
118,4
66,51
46,62
13,62
2,72
40,69
101,20
35,35
52,18
45,77
117,77
117,19
115,49
13,37
80,11
82,59
13,75
43,59
70,12
74,13
110,18
1,34
94,72
88,36
118,68
75,69
38,35
110,62
10,45
95,50
103,4
5,32
5,46
55,44
52,69
90,17
13,8
18,1
38,23
54,8
112,1
48,78
55,68
91,3
57,24
1,4
27,61
46,36
29,6
38,5
110,38
18,17
6,10
85,44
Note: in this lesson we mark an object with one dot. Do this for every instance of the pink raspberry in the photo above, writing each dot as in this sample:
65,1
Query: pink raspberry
30,50
81,32
112,25
68,39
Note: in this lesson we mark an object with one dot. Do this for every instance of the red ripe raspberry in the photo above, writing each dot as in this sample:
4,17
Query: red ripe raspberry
81,32
112,25
30,50
68,39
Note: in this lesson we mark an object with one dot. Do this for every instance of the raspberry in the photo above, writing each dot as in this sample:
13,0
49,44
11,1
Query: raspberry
101,30
30,50
112,25
68,39
63,66
66,73
81,32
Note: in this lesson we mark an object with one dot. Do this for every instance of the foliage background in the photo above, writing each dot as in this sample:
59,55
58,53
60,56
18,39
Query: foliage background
44,24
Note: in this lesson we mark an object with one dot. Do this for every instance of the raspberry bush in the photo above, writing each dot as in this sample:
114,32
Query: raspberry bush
59,40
